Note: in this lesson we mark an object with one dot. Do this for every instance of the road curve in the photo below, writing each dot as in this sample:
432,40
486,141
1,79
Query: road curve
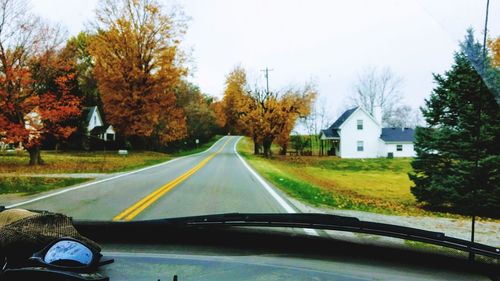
221,183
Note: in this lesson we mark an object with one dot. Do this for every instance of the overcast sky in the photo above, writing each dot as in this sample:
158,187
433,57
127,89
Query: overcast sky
329,42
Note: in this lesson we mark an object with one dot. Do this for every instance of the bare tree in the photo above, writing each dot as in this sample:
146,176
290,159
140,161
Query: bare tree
324,115
23,35
377,87
402,116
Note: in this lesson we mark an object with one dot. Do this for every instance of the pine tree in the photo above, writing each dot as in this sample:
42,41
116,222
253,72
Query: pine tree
458,161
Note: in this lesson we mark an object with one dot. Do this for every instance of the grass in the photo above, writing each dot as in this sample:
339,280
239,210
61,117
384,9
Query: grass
80,162
33,185
88,162
74,162
200,148
375,185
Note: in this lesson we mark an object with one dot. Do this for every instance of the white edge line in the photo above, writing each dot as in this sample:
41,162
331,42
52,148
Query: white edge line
107,179
269,189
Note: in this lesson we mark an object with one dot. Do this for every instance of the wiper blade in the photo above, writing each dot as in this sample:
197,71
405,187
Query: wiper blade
322,222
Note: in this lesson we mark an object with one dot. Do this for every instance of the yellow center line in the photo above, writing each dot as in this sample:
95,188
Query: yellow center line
131,212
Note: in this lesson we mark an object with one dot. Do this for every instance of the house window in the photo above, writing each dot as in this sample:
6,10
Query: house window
110,137
360,146
360,124
95,120
399,147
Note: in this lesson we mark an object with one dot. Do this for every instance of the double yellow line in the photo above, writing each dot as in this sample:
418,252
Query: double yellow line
131,212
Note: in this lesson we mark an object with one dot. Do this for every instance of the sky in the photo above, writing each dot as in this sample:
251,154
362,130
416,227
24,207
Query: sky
324,41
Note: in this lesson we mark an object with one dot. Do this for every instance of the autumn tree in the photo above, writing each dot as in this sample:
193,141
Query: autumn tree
264,116
494,46
270,116
281,114
36,95
232,105
495,51
297,104
199,111
138,66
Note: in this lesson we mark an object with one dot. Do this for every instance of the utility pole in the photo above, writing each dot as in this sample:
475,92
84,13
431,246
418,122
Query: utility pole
267,78
483,70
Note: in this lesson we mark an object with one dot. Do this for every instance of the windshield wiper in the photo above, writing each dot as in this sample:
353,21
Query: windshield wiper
312,221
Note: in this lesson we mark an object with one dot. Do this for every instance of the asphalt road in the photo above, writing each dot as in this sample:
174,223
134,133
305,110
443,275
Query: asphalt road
215,181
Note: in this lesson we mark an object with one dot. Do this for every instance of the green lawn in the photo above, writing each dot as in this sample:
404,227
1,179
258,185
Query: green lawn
74,162
33,185
88,162
80,162
201,147
376,185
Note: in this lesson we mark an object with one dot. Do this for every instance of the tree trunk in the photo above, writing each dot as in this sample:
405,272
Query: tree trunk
267,147
35,156
256,146
284,149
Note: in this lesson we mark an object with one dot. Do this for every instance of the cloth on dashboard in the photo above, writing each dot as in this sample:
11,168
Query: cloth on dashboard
12,215
24,233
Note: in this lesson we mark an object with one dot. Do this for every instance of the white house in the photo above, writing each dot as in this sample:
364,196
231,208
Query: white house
96,126
358,134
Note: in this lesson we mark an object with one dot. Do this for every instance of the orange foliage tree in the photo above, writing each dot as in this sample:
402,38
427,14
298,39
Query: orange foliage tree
264,116
230,109
495,50
36,83
274,116
138,67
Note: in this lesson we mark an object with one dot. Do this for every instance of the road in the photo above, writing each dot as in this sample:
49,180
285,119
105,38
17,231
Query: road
214,181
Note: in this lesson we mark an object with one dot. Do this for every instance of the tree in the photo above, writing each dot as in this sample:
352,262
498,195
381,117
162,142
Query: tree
495,51
403,116
138,66
377,87
77,50
457,161
264,116
271,116
484,67
495,66
230,108
36,83
200,115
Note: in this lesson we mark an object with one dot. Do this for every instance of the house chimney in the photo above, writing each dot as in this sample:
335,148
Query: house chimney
377,114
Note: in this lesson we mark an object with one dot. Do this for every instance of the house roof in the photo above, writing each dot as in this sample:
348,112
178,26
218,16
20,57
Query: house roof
398,135
342,118
88,112
332,131
101,130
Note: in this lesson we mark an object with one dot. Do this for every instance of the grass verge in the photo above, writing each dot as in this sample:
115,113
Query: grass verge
88,162
200,148
34,185
374,185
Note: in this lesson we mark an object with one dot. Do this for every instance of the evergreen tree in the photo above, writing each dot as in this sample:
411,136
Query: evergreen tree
458,161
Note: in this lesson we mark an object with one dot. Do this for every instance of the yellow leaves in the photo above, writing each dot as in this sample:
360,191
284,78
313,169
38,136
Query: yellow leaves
265,117
495,50
233,104
137,67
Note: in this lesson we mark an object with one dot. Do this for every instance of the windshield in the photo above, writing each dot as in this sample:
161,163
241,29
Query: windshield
130,110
